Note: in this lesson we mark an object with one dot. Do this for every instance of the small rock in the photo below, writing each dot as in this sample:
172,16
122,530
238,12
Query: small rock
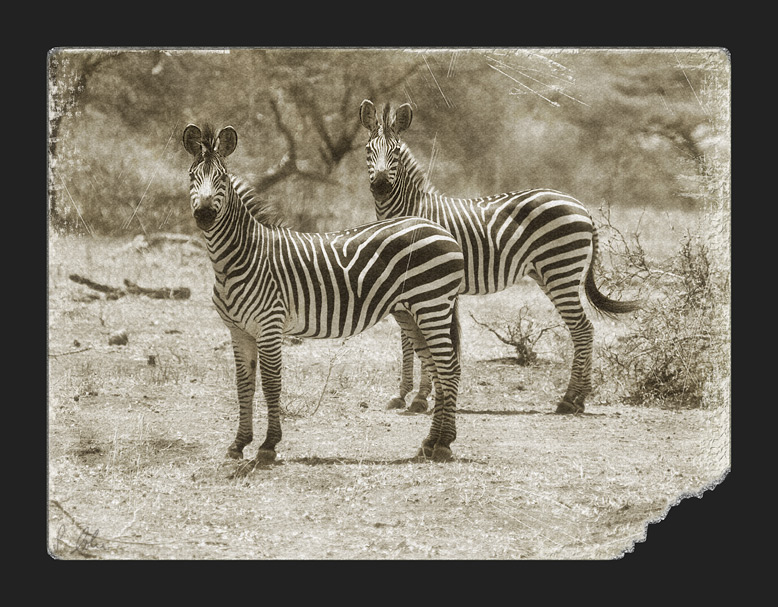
118,338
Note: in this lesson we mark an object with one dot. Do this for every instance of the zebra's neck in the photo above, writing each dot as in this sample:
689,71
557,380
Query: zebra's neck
411,188
239,228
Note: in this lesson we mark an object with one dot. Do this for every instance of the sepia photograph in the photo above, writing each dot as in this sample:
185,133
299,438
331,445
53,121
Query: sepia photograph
401,303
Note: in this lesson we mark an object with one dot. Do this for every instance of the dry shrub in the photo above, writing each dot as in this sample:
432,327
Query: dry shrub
681,339
521,334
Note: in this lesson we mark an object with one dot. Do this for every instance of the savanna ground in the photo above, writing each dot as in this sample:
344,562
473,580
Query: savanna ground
136,466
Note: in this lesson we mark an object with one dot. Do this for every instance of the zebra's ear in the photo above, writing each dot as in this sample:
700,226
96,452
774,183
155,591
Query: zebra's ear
403,118
192,139
367,115
228,141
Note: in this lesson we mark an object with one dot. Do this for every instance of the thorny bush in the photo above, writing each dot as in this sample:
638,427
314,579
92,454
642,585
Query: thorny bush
680,344
521,334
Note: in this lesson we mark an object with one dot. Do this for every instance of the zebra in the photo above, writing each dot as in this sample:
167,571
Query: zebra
272,281
544,234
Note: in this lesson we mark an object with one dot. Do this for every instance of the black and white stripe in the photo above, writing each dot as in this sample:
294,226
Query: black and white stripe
272,281
540,233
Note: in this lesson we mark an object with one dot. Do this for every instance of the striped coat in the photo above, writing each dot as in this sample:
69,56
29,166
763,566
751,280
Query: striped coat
271,281
540,233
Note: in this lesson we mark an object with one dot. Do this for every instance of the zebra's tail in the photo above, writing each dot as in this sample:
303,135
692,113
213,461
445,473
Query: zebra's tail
601,302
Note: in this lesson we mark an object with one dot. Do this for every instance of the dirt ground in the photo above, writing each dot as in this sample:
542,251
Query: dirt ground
137,435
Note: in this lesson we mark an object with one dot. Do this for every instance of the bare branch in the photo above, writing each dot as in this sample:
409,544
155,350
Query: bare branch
107,289
543,330
132,289
504,340
333,148
390,86
287,166
307,106
55,354
521,336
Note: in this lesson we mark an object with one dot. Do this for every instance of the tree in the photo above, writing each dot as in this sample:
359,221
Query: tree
69,72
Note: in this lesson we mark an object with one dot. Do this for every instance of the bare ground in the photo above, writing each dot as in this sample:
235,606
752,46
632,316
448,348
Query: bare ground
136,466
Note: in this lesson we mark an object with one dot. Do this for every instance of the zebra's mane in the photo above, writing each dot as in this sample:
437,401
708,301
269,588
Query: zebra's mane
416,174
387,112
208,141
261,210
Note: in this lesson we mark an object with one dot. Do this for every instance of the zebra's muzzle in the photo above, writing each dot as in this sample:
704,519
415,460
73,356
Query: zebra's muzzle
204,217
380,186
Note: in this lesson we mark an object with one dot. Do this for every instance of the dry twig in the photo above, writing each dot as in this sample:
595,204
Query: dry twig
520,336
132,289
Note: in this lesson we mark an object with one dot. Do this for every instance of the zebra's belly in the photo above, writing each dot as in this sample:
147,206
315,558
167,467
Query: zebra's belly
246,311
235,317
329,319
485,282
292,324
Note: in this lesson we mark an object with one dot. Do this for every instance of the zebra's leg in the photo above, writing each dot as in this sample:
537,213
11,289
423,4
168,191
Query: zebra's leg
416,339
567,301
440,358
437,445
406,378
419,402
580,385
245,350
269,344
445,362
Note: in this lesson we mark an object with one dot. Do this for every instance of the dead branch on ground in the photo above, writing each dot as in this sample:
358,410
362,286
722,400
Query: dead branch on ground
132,289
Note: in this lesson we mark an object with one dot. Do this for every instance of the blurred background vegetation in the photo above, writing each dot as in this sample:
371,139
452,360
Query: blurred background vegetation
625,128
640,136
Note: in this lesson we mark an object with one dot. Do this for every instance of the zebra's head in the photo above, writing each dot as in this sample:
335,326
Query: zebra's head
383,147
208,177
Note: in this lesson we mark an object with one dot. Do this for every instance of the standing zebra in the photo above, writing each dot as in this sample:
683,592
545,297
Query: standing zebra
271,281
539,233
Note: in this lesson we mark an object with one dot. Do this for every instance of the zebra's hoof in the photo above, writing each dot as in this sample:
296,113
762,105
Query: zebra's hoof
567,408
418,405
265,456
235,453
396,403
442,454
426,451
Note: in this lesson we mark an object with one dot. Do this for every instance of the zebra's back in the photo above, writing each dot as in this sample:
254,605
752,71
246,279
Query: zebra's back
338,284
507,236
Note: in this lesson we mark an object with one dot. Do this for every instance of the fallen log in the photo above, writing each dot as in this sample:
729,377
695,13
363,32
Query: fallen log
163,293
132,289
114,292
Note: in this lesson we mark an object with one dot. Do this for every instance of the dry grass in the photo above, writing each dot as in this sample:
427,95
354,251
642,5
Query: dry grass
136,451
